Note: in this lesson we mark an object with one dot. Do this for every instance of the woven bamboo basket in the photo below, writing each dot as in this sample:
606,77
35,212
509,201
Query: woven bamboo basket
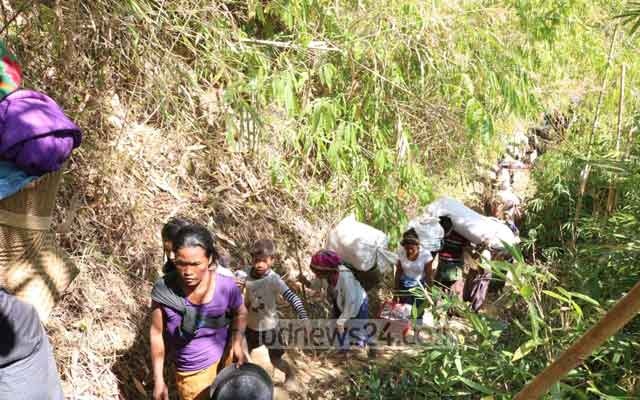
32,265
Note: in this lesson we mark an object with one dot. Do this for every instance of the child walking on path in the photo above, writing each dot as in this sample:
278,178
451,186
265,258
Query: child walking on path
263,286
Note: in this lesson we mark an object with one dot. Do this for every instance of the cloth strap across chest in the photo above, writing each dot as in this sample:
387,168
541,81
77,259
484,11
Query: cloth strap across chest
166,291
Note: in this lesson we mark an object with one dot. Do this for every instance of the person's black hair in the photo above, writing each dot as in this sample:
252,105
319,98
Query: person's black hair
246,382
446,223
171,228
410,237
263,248
195,235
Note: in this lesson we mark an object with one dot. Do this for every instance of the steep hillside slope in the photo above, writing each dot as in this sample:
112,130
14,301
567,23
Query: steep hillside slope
275,118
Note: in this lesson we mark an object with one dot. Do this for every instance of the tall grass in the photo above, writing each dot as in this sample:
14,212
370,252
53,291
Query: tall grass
338,88
371,103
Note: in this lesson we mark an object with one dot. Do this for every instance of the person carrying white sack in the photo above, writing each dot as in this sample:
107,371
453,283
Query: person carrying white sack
413,270
506,206
350,302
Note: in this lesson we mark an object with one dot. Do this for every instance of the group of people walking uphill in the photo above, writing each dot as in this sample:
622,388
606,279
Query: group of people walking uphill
207,317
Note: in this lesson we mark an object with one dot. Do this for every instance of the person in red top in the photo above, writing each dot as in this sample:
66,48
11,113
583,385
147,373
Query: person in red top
450,273
451,259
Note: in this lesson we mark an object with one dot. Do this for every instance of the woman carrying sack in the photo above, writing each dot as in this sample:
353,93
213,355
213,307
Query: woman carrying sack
349,299
413,268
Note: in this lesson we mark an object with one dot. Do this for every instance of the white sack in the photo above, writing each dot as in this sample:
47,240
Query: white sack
473,226
503,179
429,232
360,245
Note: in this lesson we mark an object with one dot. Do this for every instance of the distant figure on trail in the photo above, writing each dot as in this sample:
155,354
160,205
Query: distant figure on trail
508,209
263,286
413,268
349,299
168,234
192,310
27,368
506,205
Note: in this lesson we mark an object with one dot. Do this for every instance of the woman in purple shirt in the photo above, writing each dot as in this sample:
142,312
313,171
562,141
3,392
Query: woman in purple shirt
204,298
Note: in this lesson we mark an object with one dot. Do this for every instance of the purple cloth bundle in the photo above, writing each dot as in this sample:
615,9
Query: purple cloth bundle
35,134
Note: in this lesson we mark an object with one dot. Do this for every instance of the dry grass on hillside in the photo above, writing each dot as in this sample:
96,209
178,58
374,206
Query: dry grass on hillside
137,166
114,202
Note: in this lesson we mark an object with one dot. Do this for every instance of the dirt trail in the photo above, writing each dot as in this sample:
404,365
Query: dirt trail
324,374
320,375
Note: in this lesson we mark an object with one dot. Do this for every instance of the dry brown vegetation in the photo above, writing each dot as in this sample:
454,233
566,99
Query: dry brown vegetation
135,169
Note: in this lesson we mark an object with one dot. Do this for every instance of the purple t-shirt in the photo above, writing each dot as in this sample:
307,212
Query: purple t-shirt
206,347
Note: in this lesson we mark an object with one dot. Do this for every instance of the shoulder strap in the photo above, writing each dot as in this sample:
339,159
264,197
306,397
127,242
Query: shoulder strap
166,292
220,321
356,271
192,320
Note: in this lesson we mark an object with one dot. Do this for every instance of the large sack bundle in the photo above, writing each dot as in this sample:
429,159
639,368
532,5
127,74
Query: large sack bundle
508,198
474,227
429,232
360,245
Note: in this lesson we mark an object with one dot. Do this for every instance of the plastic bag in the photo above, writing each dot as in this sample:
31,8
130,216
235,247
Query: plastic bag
429,232
360,245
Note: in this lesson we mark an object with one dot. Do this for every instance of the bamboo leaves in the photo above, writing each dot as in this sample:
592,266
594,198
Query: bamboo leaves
631,16
478,121
283,88
327,74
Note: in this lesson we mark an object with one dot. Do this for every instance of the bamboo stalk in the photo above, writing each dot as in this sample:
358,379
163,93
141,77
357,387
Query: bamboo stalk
621,313
312,45
611,199
584,175
627,152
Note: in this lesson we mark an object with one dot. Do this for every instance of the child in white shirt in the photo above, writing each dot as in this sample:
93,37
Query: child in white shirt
262,287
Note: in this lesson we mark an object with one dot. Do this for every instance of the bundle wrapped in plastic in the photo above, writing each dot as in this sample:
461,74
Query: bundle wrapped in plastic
508,198
475,227
429,232
35,133
361,245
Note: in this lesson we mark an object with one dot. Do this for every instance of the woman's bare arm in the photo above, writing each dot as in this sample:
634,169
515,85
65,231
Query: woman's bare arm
428,272
239,326
160,391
